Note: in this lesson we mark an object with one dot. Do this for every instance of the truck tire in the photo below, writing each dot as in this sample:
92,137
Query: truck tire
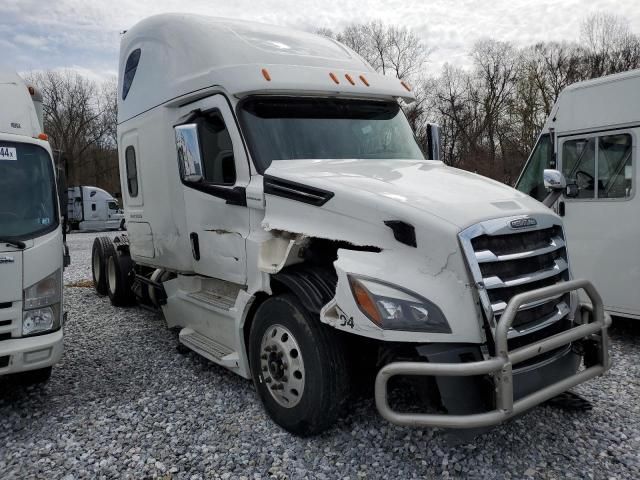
298,366
102,249
34,377
123,225
119,266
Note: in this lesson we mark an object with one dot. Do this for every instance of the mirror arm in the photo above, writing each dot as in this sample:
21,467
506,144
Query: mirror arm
552,198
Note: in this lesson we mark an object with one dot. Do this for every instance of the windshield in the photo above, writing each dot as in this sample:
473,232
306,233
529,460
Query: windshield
27,191
532,179
283,128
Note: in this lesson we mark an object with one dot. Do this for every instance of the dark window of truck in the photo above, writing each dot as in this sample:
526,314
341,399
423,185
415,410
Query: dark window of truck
217,150
532,182
579,165
614,166
113,206
130,71
132,171
28,203
285,128
93,207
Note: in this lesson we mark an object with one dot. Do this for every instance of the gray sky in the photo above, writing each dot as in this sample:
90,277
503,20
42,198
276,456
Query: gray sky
84,34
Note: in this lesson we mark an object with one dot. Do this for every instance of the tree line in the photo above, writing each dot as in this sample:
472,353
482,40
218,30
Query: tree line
491,112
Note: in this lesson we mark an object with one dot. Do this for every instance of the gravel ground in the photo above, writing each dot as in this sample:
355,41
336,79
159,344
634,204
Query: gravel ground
124,404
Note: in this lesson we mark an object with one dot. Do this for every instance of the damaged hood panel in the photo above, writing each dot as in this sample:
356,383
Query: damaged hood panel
408,187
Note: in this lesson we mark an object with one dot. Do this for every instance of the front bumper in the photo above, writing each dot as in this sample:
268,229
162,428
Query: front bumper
499,367
31,353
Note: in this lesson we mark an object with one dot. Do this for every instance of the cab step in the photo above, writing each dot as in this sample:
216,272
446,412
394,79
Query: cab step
208,348
214,299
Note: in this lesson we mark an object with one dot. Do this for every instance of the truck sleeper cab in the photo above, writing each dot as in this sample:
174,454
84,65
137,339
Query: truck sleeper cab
281,213
31,241
92,208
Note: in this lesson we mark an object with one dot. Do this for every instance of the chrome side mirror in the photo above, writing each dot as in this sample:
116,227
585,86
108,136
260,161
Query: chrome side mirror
433,141
189,156
554,179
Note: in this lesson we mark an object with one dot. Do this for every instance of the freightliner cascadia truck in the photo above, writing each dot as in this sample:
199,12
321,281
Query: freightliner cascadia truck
283,217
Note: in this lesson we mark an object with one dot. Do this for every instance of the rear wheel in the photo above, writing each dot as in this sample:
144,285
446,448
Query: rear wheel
298,366
102,249
119,266
123,225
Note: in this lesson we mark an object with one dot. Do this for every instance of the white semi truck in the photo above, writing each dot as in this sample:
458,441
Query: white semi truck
282,215
32,249
591,138
92,208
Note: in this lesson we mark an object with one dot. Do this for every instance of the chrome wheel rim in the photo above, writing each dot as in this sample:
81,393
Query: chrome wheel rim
281,365
111,275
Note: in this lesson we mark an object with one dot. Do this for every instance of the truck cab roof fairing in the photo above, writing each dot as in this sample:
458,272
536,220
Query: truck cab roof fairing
182,53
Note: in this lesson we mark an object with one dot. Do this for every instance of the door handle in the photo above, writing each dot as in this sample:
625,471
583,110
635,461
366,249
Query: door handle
561,209
195,245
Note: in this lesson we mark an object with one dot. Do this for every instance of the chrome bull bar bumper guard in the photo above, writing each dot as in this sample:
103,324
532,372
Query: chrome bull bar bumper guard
500,366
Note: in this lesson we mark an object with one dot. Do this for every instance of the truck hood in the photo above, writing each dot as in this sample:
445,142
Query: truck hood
406,188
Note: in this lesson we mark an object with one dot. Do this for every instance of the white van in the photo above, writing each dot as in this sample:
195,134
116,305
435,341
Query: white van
591,137
281,214
32,250
92,208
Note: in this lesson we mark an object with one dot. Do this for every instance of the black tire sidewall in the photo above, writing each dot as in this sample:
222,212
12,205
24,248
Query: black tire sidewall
318,408
122,295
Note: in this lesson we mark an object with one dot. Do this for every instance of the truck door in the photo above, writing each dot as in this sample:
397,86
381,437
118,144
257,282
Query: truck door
602,222
215,172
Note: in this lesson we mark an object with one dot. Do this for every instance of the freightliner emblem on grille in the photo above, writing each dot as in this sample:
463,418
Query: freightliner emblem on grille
523,222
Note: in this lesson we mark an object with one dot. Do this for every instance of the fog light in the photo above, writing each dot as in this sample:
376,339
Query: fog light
38,320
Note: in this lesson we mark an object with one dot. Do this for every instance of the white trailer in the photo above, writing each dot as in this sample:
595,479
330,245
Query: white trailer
282,215
591,137
92,208
32,249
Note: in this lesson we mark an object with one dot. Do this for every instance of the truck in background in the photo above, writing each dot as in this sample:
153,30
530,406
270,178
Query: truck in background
92,208
32,249
281,214
591,137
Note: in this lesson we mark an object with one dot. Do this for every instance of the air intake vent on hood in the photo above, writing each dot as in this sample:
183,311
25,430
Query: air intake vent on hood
403,232
296,191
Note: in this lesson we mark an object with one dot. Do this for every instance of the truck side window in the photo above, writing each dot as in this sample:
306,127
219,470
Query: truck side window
532,182
93,207
614,166
579,165
217,151
130,71
132,171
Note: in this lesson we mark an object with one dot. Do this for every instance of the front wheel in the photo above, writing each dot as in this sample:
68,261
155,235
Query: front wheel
298,366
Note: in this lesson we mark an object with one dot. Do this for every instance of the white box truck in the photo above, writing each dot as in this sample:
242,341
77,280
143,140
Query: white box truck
282,215
92,208
591,138
32,250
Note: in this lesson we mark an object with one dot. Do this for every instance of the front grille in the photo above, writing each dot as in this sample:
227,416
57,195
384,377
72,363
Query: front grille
505,262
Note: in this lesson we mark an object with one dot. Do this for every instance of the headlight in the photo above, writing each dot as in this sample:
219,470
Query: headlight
394,308
39,320
41,305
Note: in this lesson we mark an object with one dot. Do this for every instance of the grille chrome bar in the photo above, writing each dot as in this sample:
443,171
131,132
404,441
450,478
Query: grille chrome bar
499,307
560,265
562,310
485,256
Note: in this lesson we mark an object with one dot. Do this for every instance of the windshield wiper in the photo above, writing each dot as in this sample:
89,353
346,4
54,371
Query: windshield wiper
16,243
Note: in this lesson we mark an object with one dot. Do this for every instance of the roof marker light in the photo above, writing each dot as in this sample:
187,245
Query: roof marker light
334,78
364,80
405,85
43,136
349,79
265,74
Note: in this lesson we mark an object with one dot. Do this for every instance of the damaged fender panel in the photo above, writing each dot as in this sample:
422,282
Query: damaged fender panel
443,285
